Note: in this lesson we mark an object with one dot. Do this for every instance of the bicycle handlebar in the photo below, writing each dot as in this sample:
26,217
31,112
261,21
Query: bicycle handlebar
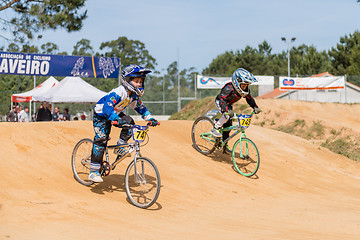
237,115
130,125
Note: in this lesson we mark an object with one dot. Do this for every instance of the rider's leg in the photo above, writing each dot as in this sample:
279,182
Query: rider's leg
219,123
225,134
125,135
102,129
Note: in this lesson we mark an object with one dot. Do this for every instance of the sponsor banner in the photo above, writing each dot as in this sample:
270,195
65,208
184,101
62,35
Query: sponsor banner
21,98
206,82
312,83
211,82
58,65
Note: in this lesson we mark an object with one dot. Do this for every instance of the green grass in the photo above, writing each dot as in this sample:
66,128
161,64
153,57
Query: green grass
344,146
299,123
317,128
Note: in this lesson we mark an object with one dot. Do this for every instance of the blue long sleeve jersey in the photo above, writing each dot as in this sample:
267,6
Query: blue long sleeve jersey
116,101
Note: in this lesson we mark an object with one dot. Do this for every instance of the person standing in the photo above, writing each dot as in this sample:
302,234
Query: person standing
11,117
66,115
44,113
57,115
23,115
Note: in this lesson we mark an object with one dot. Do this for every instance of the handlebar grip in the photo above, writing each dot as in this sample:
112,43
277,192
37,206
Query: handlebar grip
156,124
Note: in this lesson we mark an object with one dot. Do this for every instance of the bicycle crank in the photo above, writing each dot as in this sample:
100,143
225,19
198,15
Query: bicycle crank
105,169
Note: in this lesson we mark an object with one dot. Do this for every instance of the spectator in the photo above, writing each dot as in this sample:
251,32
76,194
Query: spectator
23,115
44,113
66,116
57,115
19,108
12,115
34,115
17,111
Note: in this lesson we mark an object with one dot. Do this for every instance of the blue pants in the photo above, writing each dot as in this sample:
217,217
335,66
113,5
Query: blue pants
102,128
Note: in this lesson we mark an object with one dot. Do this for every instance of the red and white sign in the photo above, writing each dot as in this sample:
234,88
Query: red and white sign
312,83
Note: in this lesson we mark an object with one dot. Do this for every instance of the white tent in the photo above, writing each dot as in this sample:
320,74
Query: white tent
39,90
71,90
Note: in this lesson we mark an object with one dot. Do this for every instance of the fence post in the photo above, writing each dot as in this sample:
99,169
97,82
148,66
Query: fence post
345,89
195,85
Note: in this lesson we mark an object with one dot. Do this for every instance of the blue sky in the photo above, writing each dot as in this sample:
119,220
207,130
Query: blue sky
200,30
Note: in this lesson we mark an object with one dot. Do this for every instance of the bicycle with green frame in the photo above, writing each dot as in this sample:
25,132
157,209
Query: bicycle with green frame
245,155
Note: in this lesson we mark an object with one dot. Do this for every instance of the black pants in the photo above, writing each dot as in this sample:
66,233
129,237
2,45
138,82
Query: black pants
226,134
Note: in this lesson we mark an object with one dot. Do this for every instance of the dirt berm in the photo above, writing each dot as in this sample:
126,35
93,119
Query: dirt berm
301,191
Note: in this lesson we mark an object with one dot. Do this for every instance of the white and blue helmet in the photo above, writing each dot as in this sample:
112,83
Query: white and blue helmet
242,76
132,71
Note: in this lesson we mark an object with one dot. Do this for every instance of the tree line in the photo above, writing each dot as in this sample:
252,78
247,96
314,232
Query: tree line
35,15
305,60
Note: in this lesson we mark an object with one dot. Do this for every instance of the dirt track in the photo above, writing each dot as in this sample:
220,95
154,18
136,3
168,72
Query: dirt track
301,191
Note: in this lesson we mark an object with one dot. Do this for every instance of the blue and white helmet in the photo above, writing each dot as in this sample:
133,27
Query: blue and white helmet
132,71
242,76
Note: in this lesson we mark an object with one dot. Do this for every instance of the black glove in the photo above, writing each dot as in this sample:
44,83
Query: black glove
153,122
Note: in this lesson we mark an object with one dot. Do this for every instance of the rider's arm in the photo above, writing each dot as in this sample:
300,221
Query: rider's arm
250,100
139,107
105,106
224,96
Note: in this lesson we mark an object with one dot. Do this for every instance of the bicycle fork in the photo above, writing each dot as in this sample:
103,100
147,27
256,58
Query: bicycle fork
242,154
139,176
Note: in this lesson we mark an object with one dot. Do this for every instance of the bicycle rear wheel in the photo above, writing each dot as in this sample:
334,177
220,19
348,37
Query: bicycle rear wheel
246,157
143,183
80,161
201,137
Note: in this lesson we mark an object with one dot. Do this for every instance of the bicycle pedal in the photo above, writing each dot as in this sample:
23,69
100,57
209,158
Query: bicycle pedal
116,150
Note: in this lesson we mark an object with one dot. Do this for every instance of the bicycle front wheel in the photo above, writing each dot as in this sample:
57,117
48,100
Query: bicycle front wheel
80,161
142,182
245,156
201,137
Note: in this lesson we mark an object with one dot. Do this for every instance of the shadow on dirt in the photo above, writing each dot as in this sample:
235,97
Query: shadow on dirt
111,183
219,156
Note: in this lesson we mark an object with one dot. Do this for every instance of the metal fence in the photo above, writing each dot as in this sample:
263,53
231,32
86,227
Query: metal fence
160,106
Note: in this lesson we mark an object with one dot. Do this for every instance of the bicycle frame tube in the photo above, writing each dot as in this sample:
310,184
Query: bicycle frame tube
230,137
107,155
234,134
205,136
118,159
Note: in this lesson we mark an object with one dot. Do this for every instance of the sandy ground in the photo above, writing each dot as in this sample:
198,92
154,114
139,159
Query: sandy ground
301,191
